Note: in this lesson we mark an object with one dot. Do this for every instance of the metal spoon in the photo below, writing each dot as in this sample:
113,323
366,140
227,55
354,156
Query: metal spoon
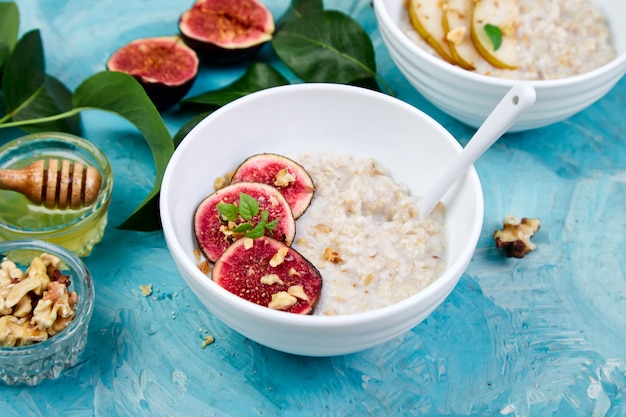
516,101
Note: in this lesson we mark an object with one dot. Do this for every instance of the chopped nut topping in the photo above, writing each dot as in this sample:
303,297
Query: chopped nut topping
271,279
298,292
282,300
457,35
204,267
284,178
146,289
332,255
514,237
219,183
248,243
279,257
321,227
208,340
293,273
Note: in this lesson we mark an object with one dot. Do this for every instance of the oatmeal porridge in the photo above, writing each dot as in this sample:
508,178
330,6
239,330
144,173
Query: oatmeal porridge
557,39
363,234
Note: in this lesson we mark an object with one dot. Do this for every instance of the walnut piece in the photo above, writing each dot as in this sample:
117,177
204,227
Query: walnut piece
456,35
279,257
514,237
282,300
332,255
284,178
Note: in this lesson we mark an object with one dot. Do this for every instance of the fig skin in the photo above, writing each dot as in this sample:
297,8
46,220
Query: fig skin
164,66
265,167
225,32
240,268
209,227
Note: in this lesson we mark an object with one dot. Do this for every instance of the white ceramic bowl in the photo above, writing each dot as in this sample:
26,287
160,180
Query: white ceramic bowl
318,118
470,97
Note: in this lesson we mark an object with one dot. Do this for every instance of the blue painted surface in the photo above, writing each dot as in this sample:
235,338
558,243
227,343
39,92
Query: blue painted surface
541,336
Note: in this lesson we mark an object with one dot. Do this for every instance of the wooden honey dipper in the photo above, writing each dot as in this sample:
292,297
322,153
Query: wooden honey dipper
63,183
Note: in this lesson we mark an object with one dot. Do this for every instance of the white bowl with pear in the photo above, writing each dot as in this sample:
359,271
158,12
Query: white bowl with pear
463,55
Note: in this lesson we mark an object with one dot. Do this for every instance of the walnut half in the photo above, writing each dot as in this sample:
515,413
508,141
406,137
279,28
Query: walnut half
514,237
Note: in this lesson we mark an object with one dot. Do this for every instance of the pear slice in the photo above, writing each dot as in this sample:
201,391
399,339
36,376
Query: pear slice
457,20
503,17
426,17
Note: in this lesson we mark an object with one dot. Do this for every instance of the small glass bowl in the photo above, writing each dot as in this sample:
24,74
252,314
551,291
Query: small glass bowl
29,365
76,229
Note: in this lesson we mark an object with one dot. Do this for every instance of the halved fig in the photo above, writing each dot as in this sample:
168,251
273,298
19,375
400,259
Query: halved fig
226,31
215,231
165,66
288,176
269,273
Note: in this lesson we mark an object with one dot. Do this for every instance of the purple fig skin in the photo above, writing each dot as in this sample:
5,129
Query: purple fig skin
265,167
226,31
164,66
211,235
241,267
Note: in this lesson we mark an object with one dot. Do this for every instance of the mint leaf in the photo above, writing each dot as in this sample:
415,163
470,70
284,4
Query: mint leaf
229,212
242,228
272,225
248,206
495,35
258,231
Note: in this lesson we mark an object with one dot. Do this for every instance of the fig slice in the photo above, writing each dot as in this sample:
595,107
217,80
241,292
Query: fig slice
226,31
214,233
165,66
288,176
269,273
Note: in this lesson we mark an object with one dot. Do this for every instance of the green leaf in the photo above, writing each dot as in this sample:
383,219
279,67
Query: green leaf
495,35
190,124
121,94
4,54
228,212
242,228
24,73
53,98
326,47
258,76
248,206
298,8
265,215
258,231
273,224
9,24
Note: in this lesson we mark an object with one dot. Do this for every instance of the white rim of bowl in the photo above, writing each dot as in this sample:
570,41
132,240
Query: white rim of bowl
280,317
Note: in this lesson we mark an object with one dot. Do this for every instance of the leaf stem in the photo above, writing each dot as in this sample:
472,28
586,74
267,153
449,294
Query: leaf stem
59,116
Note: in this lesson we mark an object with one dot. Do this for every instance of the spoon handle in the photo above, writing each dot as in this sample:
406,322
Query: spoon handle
516,101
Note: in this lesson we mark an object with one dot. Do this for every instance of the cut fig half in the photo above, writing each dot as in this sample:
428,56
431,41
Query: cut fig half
215,229
165,66
289,177
226,31
269,273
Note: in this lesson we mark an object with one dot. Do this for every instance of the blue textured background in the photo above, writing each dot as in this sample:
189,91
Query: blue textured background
541,336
